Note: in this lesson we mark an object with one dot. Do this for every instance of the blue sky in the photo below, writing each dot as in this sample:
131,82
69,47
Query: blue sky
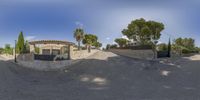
57,19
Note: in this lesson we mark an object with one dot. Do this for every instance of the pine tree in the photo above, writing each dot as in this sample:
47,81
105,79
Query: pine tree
20,43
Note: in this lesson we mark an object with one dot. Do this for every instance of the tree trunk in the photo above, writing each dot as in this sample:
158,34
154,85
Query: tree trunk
79,45
89,48
154,51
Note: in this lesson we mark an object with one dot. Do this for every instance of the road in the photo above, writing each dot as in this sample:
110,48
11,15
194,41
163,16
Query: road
103,76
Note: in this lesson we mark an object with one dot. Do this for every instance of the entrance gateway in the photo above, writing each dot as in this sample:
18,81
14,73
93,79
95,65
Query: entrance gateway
49,49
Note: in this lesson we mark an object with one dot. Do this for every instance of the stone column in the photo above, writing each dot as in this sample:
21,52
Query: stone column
70,52
32,49
51,50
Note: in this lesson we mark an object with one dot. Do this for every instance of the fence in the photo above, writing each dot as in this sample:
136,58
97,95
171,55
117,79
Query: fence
50,57
162,54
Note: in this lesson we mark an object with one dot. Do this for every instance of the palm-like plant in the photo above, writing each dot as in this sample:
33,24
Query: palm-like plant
79,35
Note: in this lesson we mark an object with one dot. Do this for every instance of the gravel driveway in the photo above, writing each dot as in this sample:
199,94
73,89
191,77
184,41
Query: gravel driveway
104,76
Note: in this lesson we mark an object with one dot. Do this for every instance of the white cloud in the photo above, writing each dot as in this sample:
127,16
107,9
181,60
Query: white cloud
125,37
29,38
159,42
107,38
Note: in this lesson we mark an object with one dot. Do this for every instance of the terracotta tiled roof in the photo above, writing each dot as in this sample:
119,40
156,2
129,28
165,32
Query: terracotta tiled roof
51,42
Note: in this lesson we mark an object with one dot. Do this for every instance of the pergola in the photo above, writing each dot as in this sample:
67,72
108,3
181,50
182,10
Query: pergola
51,47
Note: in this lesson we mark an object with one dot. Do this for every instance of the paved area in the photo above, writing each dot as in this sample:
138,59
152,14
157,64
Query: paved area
104,76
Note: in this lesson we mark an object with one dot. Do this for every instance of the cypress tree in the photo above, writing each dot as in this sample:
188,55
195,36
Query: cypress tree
169,48
20,43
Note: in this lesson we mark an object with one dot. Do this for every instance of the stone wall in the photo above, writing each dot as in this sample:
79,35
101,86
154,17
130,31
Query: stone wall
25,57
139,54
27,60
45,65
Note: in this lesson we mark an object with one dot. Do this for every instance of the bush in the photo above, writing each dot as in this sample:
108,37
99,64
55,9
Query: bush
141,47
114,46
187,51
8,49
162,47
1,50
37,50
108,46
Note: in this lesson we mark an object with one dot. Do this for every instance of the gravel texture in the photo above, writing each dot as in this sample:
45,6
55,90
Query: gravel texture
104,76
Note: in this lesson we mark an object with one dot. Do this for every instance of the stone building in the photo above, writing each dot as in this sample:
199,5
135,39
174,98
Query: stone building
51,47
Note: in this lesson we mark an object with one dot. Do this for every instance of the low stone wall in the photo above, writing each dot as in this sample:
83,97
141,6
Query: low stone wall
25,57
27,60
83,54
139,54
45,65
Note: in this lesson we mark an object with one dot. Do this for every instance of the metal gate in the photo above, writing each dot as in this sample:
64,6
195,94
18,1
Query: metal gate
162,54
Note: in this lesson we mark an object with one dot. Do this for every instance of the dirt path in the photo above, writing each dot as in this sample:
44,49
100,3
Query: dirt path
103,76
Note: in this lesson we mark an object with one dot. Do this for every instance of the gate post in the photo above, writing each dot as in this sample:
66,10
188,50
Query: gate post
70,51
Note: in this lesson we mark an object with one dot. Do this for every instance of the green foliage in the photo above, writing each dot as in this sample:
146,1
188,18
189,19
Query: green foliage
8,49
79,35
162,47
20,44
37,50
184,45
1,50
27,47
187,51
185,42
98,44
107,46
143,31
114,46
121,42
90,39
169,48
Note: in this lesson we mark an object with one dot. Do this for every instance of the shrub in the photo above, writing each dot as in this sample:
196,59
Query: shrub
1,50
162,47
114,46
187,51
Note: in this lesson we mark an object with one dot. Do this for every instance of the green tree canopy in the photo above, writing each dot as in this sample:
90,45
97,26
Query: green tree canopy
20,43
121,41
90,40
79,35
185,42
8,49
143,31
26,47
98,44
184,45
